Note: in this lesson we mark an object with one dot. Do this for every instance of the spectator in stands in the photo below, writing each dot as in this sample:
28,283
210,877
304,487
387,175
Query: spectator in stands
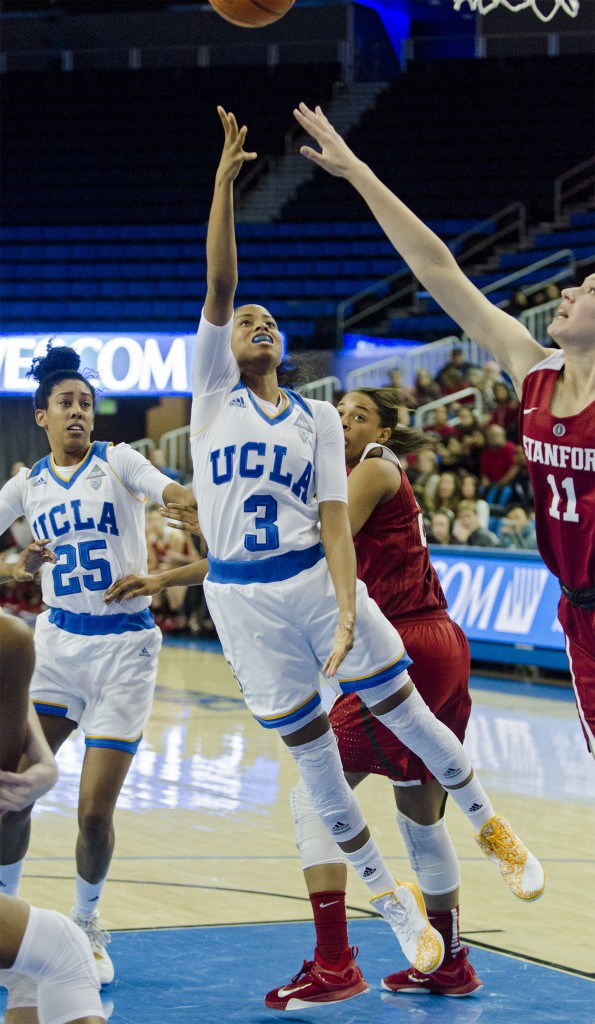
406,394
447,493
498,463
424,477
518,303
449,452
518,529
439,424
425,390
522,488
440,528
24,598
157,459
466,529
168,549
506,411
472,445
470,492
466,421
454,371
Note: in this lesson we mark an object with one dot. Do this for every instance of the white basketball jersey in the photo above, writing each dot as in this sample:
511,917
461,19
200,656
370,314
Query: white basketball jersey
259,471
95,520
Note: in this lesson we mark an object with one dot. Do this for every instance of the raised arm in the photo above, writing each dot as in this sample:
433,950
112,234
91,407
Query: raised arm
428,257
222,259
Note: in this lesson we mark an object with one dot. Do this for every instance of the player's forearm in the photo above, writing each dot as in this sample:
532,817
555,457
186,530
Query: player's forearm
188,575
340,556
222,256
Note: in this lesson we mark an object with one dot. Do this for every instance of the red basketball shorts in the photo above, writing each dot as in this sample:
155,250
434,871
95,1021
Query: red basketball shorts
440,671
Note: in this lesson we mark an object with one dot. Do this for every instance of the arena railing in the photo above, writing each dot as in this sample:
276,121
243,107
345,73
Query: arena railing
510,221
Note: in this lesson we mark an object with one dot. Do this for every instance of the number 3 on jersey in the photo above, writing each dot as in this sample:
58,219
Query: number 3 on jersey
265,520
570,514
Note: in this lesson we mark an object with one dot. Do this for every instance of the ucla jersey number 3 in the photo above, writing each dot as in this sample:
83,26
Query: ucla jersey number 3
71,557
265,522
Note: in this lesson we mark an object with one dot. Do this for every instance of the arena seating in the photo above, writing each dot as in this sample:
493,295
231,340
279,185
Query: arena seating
107,180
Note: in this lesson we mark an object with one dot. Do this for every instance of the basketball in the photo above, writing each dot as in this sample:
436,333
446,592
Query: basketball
251,13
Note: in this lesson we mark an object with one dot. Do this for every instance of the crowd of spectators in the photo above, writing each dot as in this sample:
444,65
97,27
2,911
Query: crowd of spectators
472,482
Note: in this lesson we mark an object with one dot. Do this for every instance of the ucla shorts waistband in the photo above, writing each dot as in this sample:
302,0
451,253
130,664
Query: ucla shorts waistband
100,625
265,570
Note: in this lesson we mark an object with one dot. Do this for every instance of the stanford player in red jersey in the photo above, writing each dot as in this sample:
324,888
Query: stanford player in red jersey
393,561
556,388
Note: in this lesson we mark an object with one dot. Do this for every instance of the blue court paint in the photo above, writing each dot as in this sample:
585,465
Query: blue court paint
209,975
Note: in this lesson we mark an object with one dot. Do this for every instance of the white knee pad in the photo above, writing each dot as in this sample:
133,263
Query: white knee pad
58,955
431,854
320,767
419,729
312,839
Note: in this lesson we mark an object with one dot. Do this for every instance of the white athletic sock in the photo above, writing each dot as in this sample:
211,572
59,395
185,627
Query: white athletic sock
371,868
86,899
10,877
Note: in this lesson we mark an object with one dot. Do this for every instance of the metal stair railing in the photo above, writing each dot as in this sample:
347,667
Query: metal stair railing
571,184
323,389
422,411
427,357
512,218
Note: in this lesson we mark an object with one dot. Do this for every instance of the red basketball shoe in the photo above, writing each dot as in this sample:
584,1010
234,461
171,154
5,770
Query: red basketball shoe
318,982
456,978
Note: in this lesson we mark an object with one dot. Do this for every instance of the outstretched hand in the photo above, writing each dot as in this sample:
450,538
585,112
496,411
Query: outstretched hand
31,559
233,156
336,156
342,644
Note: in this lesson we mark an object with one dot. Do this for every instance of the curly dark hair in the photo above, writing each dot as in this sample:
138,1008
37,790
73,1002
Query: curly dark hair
60,363
403,440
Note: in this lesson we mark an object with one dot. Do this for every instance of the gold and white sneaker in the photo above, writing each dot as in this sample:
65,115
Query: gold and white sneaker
99,939
521,871
405,911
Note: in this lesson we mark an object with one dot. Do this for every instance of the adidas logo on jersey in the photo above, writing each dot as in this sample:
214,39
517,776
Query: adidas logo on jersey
369,872
144,653
40,480
239,402
340,828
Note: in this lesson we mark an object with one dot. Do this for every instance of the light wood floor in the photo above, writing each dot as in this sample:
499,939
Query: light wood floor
204,834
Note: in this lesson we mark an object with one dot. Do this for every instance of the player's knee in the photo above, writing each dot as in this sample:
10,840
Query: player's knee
320,767
431,854
95,823
312,839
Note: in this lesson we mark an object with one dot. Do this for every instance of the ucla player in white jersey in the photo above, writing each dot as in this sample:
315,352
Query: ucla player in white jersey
271,486
95,665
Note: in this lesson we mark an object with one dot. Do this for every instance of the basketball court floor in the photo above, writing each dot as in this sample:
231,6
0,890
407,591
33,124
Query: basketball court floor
206,903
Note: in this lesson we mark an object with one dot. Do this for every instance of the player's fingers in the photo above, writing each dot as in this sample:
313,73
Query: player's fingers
313,155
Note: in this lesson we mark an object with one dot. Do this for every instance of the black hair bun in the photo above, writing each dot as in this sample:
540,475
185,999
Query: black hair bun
60,359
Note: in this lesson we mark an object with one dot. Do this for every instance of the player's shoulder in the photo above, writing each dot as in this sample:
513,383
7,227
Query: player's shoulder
553,359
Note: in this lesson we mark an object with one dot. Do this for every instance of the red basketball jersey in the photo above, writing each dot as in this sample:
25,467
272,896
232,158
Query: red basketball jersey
560,453
393,559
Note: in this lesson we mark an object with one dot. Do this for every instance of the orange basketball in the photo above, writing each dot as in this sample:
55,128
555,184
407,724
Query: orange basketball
251,13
